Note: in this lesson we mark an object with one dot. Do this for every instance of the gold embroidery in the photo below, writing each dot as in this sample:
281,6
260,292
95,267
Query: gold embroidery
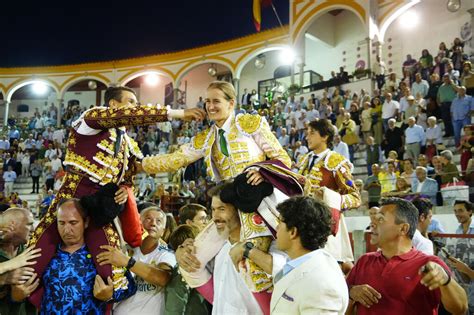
199,140
249,123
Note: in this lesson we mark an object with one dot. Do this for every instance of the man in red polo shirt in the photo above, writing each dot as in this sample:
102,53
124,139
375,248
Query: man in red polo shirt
398,279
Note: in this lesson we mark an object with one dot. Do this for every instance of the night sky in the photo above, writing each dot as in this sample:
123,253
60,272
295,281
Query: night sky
86,31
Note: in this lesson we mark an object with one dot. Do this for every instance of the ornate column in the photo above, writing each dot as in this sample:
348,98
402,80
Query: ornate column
236,82
7,107
59,114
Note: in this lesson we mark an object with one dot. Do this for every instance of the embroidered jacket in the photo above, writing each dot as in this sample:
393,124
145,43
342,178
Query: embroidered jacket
91,144
333,171
249,140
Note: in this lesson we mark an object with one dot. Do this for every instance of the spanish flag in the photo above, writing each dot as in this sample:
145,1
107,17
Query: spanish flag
257,12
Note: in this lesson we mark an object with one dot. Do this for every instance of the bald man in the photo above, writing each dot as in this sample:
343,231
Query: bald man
20,224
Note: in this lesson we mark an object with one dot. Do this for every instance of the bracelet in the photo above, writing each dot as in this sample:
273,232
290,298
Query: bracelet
449,280
131,263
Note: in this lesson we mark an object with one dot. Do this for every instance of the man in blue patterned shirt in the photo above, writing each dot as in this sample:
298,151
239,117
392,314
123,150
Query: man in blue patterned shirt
71,284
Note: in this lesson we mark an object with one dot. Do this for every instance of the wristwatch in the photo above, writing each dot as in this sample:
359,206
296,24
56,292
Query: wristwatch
131,263
248,247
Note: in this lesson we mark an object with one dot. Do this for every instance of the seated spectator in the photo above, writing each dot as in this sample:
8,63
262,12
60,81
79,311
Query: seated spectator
186,192
424,186
409,171
420,239
72,270
463,212
17,224
388,178
371,281
151,263
364,195
449,170
311,279
284,139
402,189
300,151
393,157
373,187
179,297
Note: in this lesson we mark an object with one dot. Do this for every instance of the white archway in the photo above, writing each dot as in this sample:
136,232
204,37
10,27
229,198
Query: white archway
71,83
255,53
21,84
140,73
385,24
184,71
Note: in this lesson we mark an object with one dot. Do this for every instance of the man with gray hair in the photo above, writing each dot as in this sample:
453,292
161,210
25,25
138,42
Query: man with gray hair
449,170
415,138
425,186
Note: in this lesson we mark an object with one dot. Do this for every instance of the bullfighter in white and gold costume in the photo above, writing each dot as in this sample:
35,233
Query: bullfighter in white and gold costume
329,177
229,146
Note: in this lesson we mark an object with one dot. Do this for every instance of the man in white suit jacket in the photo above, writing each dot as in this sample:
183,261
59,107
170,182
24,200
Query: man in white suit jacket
312,281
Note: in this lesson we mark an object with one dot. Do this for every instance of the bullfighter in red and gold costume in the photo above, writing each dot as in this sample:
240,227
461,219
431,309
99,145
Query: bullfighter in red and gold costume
99,152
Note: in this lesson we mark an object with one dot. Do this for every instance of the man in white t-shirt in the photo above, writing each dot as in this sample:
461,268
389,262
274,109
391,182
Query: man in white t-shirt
420,242
151,265
390,109
300,150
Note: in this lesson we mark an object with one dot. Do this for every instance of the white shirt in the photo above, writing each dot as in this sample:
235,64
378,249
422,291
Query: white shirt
231,294
299,121
422,244
58,135
389,108
342,149
56,164
420,186
150,298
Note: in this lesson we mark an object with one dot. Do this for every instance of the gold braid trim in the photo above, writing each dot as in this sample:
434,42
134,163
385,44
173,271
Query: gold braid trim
165,162
248,124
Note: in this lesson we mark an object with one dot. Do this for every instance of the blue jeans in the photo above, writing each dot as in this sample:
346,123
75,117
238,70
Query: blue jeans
457,126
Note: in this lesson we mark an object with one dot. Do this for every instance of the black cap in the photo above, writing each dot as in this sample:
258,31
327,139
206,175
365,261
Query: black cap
101,205
243,196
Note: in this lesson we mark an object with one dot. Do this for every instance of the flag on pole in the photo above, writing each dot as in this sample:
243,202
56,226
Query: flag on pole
257,12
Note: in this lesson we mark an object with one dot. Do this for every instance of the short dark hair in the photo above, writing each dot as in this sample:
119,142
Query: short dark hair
405,212
325,128
182,233
216,190
189,211
423,205
77,204
409,160
467,204
311,218
115,93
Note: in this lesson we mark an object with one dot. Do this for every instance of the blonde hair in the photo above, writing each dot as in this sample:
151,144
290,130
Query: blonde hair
225,87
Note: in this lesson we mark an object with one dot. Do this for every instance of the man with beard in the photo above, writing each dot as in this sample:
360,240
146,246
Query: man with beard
225,288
